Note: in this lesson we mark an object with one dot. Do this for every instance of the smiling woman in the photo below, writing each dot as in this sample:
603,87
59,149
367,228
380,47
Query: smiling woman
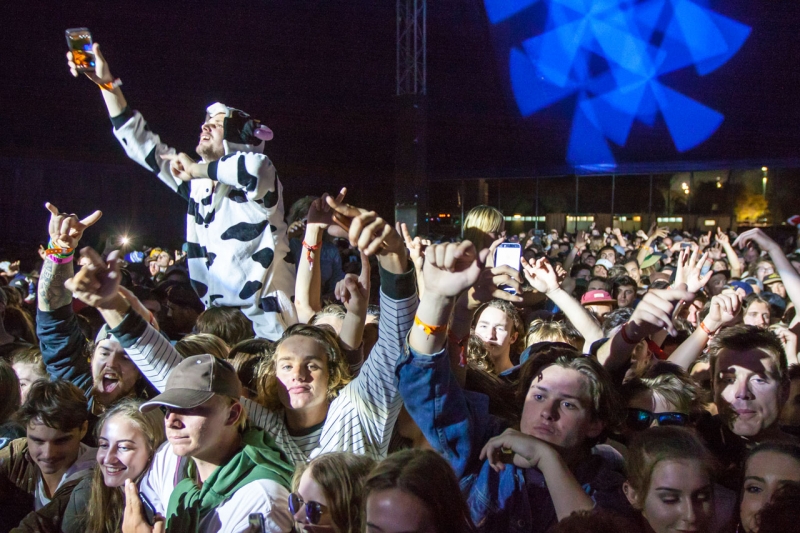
127,439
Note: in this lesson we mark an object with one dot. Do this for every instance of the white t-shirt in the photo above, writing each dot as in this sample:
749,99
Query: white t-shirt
262,496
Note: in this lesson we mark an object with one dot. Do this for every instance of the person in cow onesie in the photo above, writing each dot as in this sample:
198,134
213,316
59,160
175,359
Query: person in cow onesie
238,251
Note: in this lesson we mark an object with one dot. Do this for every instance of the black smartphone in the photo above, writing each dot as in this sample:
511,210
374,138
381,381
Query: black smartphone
256,523
79,41
148,510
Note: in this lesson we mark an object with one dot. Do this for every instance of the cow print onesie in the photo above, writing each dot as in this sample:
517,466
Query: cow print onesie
238,251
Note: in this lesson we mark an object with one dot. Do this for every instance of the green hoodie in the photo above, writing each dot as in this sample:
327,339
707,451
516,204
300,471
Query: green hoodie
260,458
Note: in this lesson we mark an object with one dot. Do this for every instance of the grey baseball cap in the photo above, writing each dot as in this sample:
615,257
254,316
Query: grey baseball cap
196,380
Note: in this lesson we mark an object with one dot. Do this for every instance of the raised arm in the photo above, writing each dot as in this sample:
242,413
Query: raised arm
653,313
723,311
60,338
542,276
789,276
353,292
730,253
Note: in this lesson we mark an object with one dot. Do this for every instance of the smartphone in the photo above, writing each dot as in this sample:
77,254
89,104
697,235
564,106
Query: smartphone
508,254
256,523
79,41
686,245
148,510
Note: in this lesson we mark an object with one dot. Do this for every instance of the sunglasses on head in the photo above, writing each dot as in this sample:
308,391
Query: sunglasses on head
313,509
639,419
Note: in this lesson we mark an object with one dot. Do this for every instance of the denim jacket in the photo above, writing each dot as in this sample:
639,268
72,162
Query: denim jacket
457,424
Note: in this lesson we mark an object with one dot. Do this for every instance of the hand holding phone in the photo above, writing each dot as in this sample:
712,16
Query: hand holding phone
508,254
79,41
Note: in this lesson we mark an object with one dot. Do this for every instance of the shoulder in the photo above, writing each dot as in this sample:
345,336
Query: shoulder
261,496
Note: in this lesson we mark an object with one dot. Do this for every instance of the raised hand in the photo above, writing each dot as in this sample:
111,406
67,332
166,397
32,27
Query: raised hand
451,268
723,311
133,520
101,74
514,447
759,237
722,237
704,240
541,275
789,341
97,283
497,242
416,246
689,271
66,230
353,291
654,312
487,287
321,213
182,166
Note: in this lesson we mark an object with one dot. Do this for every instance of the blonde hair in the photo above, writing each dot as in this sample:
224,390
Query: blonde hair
341,476
553,331
338,369
202,343
104,511
481,220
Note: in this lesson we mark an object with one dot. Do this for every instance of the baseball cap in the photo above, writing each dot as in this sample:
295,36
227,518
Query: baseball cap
651,260
196,380
596,297
746,287
604,262
772,278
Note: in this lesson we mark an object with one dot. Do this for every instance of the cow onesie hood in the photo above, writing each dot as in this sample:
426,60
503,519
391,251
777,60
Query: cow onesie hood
237,246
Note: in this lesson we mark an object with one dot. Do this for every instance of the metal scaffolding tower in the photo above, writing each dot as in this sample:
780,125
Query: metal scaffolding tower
411,46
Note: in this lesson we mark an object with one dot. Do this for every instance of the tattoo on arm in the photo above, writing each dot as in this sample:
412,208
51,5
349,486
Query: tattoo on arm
52,293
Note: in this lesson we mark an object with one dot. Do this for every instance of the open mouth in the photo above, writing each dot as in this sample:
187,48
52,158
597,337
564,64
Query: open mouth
114,470
205,138
109,382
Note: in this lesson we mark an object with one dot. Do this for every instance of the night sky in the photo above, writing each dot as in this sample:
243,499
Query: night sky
320,74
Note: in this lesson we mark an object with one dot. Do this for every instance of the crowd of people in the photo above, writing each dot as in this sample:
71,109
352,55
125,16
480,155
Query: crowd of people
328,371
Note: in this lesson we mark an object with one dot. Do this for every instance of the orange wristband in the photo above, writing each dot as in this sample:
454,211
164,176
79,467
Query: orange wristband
429,330
705,328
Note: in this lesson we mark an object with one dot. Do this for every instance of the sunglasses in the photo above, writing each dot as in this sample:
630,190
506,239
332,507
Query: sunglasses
314,510
639,419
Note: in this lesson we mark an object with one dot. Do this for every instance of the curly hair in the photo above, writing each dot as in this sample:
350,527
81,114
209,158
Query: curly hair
338,369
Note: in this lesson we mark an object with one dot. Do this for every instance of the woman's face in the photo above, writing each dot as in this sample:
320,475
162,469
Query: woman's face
27,373
764,473
680,497
122,451
396,511
311,492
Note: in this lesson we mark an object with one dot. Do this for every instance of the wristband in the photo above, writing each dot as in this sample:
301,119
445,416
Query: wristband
624,335
309,249
61,260
705,328
428,329
60,252
110,86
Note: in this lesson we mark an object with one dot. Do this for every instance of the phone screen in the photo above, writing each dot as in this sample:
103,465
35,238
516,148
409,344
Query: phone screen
147,509
508,254
79,41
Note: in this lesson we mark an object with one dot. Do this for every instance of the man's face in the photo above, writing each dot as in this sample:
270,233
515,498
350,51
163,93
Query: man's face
600,271
666,241
590,260
163,260
633,271
747,391
790,414
114,374
758,314
53,450
558,409
210,147
716,283
626,294
301,365
750,255
584,274
611,255
496,330
779,288
764,269
196,432
600,310
596,285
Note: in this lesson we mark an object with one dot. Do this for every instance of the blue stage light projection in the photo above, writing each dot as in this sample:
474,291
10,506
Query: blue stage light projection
610,55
